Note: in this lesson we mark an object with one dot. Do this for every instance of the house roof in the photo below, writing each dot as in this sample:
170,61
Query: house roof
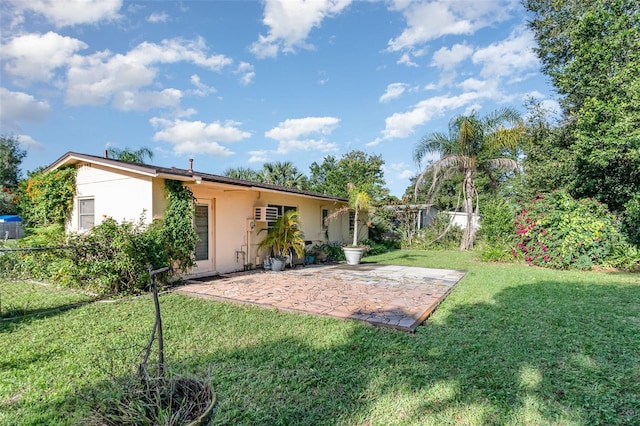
72,158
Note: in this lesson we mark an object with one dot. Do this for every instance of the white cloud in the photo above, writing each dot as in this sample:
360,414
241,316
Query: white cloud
18,107
259,156
430,20
146,100
197,137
63,13
405,59
103,77
155,18
293,134
448,59
394,91
474,84
508,57
34,57
400,125
202,89
246,72
27,142
290,22
406,174
401,171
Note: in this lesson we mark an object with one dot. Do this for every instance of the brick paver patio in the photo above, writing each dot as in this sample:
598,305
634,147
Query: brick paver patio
388,295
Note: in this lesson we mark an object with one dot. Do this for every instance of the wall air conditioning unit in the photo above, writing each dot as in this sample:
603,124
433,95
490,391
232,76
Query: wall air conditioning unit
265,214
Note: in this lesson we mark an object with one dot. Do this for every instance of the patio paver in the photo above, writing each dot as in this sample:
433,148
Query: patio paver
395,296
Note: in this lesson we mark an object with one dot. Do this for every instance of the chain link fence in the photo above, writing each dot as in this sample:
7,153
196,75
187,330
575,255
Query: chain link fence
22,296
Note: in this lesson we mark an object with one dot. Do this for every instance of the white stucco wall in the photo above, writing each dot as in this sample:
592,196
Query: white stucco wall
234,243
124,196
118,195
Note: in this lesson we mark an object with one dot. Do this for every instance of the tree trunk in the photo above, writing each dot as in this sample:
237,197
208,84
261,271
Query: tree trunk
355,227
469,231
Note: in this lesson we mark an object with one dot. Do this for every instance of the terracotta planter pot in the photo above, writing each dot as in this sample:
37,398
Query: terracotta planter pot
353,254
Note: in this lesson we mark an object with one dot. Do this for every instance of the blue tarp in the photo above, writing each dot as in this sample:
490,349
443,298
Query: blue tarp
10,218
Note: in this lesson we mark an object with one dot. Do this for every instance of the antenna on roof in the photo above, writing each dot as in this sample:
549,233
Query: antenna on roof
106,153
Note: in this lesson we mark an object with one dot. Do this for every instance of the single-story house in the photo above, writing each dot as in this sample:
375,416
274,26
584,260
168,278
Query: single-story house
229,212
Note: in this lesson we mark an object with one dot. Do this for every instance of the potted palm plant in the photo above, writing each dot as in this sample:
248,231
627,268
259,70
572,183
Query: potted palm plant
284,236
360,204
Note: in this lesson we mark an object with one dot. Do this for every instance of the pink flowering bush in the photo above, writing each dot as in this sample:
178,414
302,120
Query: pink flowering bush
556,231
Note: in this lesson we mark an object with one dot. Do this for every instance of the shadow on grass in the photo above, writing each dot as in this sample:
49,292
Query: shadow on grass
20,314
546,353
543,353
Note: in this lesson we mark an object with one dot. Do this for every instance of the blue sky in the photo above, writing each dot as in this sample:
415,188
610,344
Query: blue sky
238,83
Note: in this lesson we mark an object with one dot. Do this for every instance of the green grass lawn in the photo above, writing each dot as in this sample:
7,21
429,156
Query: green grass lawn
511,345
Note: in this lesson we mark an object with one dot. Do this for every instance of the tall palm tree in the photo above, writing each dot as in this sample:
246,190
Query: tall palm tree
129,155
474,144
283,174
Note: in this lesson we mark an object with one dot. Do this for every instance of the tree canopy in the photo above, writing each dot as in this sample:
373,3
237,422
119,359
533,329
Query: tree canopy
591,51
11,156
129,155
362,170
282,173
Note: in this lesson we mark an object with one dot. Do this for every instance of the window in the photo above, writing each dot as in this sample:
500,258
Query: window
86,208
281,211
324,224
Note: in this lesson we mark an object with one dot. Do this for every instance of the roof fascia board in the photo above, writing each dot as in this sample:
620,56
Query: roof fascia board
315,197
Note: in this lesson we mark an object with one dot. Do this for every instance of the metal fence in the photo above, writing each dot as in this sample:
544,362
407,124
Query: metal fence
11,230
21,296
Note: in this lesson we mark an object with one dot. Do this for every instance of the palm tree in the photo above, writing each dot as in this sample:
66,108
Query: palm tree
474,144
285,235
128,155
283,174
244,174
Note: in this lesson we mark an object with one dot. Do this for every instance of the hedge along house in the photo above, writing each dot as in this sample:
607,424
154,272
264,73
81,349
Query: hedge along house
229,213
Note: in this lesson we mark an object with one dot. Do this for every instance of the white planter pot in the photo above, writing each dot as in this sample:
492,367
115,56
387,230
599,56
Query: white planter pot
277,264
353,254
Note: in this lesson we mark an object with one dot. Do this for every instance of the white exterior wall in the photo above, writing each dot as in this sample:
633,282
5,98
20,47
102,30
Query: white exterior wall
460,219
120,195
233,243
125,195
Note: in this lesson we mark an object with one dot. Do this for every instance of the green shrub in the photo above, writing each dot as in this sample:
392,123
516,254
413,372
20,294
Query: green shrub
631,222
48,261
434,236
625,256
178,232
46,198
497,221
330,252
499,251
557,231
380,246
114,257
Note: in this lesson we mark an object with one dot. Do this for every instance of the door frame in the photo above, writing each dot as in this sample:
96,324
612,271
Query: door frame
207,266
